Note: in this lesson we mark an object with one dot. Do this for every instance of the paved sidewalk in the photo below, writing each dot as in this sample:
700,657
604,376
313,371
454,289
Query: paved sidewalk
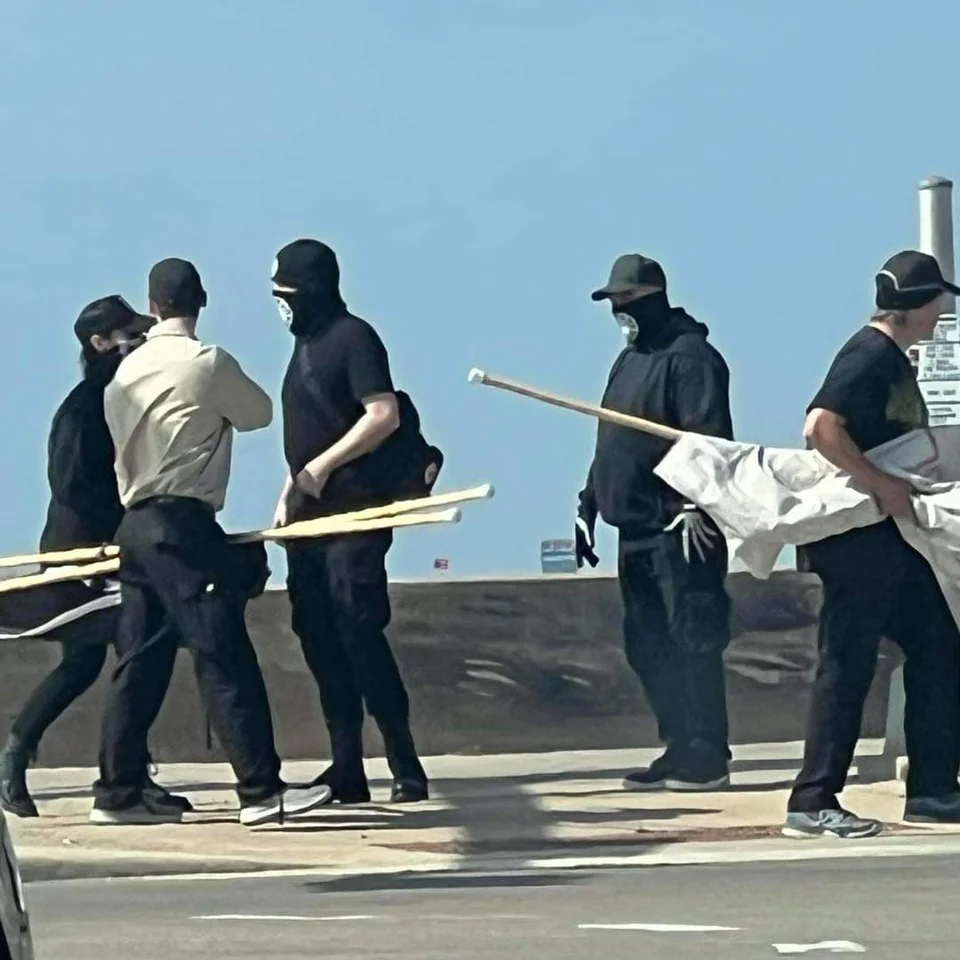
519,807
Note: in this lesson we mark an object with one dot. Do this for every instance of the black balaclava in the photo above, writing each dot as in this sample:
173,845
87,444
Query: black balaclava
309,277
642,319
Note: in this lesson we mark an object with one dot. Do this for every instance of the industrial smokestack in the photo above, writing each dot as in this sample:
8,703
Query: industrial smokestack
936,226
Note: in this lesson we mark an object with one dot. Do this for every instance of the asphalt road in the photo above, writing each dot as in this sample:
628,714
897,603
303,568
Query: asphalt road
903,908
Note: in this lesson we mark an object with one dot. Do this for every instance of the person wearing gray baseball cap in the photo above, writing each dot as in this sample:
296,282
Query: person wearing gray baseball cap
672,559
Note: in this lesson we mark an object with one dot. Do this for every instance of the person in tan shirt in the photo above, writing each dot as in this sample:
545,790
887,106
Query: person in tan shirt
171,411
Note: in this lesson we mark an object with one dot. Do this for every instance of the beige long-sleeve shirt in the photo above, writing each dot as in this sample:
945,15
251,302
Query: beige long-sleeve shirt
171,409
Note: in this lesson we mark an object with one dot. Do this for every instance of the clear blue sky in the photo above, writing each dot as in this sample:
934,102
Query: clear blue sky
477,164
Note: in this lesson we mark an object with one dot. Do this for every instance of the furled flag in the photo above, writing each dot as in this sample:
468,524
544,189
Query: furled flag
84,612
764,499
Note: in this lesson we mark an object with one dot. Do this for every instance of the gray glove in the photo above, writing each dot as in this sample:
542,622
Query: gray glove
695,533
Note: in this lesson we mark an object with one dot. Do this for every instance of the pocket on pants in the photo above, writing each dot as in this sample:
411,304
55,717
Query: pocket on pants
696,600
702,624
358,581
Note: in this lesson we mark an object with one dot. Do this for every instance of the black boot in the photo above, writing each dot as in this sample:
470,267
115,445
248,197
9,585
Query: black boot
14,796
346,776
409,777
161,797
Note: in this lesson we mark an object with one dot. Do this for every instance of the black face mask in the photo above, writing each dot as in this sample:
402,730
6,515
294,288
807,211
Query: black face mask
102,366
639,318
305,314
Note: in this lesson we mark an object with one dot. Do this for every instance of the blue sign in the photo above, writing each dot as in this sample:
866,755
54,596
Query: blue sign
558,556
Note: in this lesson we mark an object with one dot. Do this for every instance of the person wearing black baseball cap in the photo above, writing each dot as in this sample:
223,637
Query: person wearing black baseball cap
672,558
84,511
874,583
172,409
351,440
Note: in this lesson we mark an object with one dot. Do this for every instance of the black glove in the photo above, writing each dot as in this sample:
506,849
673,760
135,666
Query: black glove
584,528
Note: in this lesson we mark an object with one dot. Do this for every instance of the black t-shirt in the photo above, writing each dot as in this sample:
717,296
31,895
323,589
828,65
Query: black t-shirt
872,385
329,376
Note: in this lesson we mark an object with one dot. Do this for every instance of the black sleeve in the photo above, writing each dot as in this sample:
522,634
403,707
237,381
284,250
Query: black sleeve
368,368
588,499
856,380
700,395
80,460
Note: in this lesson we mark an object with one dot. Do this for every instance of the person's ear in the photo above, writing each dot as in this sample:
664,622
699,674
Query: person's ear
100,343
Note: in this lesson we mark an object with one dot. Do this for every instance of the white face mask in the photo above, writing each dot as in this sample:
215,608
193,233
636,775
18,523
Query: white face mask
286,314
628,325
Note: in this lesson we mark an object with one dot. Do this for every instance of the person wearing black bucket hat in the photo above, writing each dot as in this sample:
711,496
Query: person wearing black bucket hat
672,560
84,511
351,440
874,583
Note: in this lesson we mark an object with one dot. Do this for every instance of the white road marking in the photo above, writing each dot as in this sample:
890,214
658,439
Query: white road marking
659,927
279,917
829,946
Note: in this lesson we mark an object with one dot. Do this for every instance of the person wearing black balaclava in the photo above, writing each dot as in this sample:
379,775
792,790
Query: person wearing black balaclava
84,511
672,559
874,583
340,409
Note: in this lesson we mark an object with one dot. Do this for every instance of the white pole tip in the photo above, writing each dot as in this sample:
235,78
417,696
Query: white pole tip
476,375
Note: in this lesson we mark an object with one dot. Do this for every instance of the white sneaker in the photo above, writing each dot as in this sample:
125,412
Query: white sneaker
141,815
292,802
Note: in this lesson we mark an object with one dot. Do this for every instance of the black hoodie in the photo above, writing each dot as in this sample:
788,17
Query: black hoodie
85,508
670,375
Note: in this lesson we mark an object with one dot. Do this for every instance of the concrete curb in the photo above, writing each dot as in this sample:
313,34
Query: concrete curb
40,866
146,868
732,845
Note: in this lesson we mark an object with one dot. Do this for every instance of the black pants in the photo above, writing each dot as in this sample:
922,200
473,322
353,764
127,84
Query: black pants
83,651
875,584
174,566
676,625
340,608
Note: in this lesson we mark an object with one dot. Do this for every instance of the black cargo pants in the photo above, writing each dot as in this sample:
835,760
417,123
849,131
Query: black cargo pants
676,625
177,566
875,585
340,610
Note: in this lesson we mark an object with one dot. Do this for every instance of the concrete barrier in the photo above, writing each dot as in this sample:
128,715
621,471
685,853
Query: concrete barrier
493,666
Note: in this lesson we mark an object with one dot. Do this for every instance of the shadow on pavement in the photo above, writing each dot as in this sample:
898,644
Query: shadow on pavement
377,883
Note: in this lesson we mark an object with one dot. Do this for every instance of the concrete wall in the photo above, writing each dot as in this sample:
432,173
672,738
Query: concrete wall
492,666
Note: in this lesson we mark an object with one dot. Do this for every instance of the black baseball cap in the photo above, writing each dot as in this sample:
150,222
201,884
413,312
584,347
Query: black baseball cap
107,315
630,271
911,279
174,286
305,264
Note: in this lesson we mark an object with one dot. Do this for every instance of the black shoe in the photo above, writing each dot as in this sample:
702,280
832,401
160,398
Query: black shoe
933,809
653,778
158,796
700,767
346,792
698,781
402,756
409,791
14,796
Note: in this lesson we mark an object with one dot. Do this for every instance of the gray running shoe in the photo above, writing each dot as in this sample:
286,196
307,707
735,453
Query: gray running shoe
830,823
